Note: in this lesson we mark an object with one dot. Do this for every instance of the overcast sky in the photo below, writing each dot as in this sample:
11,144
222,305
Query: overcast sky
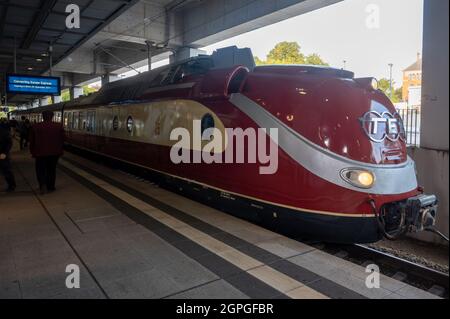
339,32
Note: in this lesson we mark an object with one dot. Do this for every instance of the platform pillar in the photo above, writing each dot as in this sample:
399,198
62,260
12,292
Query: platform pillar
75,92
109,77
432,158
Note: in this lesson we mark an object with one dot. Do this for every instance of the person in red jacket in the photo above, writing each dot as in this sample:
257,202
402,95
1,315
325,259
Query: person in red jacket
46,146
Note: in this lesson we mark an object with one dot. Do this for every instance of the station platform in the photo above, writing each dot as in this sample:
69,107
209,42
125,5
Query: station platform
132,239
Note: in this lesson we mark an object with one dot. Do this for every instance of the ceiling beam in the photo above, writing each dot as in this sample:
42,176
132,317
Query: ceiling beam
70,31
46,7
94,31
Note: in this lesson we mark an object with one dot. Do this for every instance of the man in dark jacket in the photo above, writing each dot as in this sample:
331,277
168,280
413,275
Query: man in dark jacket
5,162
24,131
46,146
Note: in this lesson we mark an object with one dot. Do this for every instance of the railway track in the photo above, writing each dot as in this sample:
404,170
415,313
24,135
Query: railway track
414,274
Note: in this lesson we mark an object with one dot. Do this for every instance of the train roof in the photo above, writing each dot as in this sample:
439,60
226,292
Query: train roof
130,89
293,69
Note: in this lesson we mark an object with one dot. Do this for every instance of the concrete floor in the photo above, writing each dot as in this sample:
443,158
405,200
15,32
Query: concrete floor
132,239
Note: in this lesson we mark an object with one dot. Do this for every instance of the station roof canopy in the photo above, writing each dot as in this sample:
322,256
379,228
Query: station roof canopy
32,25
116,36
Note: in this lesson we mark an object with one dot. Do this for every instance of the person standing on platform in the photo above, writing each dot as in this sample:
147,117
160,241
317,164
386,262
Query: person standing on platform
24,131
46,146
5,161
13,125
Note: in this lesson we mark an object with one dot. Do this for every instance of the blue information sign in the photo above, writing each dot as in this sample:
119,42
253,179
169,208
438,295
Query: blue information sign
41,85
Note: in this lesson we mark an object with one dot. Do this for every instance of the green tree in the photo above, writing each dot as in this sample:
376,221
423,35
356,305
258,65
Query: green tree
88,90
398,95
286,53
289,53
315,59
65,96
384,85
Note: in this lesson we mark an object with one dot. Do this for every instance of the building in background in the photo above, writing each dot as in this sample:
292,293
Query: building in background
414,97
410,107
412,82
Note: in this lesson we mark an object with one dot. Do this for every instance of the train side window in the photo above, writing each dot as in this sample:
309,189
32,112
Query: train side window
168,79
130,124
90,122
115,123
94,122
70,120
195,67
66,120
207,122
160,78
82,122
75,121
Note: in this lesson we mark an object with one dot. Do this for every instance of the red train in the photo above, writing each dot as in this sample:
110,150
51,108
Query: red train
343,174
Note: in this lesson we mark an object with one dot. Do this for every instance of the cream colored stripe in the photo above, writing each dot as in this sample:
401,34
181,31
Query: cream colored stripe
268,275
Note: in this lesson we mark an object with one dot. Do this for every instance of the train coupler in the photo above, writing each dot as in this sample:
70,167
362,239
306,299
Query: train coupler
414,214
421,212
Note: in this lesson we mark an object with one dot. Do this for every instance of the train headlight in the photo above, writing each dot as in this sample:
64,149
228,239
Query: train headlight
358,177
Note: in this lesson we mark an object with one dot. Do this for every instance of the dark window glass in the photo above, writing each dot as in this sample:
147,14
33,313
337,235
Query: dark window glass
207,122
160,78
129,124
75,121
115,124
195,67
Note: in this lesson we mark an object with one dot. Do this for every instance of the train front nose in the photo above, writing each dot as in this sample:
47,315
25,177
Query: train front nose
384,169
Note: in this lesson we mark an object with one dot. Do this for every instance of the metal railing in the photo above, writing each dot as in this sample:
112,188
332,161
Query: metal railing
411,121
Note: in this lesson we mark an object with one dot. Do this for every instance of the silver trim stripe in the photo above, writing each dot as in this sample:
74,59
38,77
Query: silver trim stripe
390,179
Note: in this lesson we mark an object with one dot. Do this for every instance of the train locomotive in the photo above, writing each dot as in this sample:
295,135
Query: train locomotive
343,174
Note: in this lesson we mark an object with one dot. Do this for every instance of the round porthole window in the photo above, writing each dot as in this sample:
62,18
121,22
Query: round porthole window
207,122
115,123
129,124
